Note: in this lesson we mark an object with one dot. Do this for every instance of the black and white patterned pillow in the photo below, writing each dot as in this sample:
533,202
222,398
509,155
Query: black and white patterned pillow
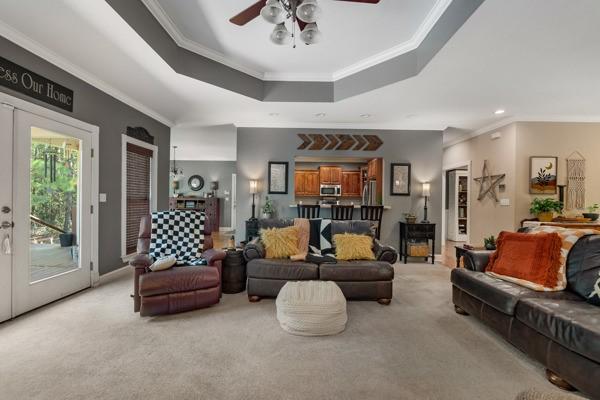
320,245
178,233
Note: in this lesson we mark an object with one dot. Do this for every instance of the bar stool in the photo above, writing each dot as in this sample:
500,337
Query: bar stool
342,213
373,214
309,211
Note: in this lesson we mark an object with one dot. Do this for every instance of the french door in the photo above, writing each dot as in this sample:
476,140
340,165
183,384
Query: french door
45,213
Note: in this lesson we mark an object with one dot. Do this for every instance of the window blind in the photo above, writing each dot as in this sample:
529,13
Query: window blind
138,192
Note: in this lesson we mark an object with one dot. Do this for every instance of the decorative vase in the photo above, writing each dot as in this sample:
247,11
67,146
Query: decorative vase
545,216
490,246
591,216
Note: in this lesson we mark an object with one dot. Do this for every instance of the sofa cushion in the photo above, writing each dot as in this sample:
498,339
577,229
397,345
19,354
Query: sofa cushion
282,269
353,226
178,279
501,295
583,269
357,271
571,322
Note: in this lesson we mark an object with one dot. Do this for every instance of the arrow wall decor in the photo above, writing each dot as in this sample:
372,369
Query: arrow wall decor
316,141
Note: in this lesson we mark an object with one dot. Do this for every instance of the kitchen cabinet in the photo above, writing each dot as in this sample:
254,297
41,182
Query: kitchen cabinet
373,168
306,183
351,184
330,175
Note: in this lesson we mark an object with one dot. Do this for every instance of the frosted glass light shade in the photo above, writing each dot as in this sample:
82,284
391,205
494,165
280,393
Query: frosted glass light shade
253,187
309,11
273,12
281,35
311,34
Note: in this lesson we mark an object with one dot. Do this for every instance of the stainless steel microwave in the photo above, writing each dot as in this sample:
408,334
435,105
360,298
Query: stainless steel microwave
331,190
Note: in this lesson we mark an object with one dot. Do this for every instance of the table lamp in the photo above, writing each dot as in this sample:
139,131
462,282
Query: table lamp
426,194
253,190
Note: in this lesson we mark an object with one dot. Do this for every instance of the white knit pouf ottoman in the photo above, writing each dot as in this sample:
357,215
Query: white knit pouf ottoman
311,308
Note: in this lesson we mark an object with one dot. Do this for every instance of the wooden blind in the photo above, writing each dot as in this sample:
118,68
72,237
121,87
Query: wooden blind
138,192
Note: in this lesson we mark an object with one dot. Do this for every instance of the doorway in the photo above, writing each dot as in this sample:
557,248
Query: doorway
456,210
47,209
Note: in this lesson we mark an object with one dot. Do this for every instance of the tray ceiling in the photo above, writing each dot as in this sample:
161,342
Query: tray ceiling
356,36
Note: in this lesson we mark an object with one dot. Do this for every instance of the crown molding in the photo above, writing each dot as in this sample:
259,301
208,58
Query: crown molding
171,28
334,125
39,50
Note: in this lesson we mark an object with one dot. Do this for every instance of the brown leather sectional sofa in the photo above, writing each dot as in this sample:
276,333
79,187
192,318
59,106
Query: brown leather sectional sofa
559,329
359,280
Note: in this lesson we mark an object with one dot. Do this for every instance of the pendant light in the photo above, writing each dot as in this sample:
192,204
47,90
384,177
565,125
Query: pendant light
281,35
273,12
309,11
311,34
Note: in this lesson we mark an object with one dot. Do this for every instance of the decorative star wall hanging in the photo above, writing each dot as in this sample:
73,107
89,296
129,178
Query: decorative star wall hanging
488,183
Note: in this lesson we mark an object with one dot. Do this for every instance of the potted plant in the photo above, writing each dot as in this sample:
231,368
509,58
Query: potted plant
268,210
592,213
489,243
544,209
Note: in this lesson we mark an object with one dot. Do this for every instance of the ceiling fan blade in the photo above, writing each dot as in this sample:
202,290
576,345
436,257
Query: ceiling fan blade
363,1
248,14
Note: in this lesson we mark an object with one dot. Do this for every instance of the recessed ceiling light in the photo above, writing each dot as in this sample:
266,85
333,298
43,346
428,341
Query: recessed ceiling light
365,115
273,114
499,112
320,115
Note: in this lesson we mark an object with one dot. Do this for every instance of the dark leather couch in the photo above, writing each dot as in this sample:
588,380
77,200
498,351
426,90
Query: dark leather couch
177,289
359,280
559,329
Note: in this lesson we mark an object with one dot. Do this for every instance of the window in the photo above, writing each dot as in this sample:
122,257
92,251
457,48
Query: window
138,189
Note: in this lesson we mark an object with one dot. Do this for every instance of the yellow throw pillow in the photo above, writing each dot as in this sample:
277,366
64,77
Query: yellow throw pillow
349,246
280,242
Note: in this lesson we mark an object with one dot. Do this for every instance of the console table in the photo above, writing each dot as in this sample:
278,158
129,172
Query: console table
419,231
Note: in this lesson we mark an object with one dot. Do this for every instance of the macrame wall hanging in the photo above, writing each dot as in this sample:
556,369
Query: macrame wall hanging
575,181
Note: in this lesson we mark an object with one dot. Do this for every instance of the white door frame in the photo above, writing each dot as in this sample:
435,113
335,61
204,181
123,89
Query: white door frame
233,218
9,101
153,185
6,234
450,167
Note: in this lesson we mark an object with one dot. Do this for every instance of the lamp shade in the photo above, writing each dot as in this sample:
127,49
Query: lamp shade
309,11
281,35
311,34
426,189
214,185
253,186
273,12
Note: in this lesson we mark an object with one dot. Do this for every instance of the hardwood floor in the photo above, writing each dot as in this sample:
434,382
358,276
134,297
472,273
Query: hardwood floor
449,253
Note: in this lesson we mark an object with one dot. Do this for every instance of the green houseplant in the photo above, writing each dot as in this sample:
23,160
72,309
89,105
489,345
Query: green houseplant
268,209
544,208
592,212
490,243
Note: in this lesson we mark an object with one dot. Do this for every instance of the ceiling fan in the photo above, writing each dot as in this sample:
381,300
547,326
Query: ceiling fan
302,12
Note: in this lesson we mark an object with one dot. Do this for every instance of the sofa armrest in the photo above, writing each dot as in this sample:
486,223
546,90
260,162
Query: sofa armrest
384,253
141,261
254,249
212,256
476,260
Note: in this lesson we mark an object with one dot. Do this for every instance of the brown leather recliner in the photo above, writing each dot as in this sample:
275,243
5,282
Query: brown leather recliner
178,289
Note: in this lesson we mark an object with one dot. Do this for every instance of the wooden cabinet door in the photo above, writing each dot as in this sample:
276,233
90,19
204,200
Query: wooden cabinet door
325,175
311,183
351,183
336,175
299,183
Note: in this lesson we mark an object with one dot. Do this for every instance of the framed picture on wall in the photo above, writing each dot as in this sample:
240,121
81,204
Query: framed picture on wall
542,174
400,179
278,177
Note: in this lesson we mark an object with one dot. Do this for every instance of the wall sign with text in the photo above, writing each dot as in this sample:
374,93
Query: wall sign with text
22,80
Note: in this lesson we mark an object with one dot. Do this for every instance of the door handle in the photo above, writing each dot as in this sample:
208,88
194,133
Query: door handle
6,245
7,225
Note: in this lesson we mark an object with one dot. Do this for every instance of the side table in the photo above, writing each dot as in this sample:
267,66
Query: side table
417,231
233,279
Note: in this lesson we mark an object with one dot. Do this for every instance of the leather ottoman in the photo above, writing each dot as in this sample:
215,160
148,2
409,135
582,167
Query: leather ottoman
178,289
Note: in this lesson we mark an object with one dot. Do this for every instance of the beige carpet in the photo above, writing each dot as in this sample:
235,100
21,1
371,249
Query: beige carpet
92,346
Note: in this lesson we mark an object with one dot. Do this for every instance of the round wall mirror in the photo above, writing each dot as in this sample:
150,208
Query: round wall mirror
196,182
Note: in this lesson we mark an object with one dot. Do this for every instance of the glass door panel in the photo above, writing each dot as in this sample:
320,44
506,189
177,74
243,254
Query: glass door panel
54,204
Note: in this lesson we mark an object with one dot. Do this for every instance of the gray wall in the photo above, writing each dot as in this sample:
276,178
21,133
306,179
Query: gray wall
211,171
112,117
423,149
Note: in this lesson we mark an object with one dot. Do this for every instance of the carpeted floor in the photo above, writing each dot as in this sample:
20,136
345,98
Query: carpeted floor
92,346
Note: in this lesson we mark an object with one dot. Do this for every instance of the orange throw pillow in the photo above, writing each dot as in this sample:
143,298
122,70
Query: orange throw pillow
532,261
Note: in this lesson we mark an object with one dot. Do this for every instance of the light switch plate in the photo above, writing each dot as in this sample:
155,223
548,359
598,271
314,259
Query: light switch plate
102,198
505,202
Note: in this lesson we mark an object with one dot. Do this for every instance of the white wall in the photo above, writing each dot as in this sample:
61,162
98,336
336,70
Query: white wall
205,143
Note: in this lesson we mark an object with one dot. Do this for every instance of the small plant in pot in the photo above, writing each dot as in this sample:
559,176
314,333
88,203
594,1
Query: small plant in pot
489,243
544,209
592,212
267,209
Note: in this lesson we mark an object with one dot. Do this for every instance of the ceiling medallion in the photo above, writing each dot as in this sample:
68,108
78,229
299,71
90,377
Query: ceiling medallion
304,13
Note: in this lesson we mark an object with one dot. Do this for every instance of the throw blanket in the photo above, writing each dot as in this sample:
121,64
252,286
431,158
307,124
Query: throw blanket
178,233
320,249
303,226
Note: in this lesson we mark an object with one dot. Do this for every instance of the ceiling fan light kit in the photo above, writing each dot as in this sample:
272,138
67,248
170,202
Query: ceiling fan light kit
305,13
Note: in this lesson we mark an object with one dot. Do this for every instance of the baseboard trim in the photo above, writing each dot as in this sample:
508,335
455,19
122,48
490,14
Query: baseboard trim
105,278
